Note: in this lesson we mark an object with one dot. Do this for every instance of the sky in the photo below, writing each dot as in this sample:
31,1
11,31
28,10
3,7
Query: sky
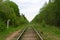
30,8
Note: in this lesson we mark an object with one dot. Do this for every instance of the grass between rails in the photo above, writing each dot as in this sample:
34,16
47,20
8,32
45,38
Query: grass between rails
7,32
48,32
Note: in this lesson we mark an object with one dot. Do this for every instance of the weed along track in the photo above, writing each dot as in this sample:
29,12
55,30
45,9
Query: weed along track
29,34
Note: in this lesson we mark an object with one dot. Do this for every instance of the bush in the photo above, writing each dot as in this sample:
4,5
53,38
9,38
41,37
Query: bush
2,26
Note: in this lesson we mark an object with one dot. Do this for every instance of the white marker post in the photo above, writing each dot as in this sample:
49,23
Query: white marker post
8,23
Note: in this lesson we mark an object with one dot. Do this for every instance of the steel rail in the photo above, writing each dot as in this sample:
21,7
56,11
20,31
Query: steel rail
21,34
38,33
34,30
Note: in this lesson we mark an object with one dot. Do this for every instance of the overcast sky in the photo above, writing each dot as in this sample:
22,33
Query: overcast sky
30,8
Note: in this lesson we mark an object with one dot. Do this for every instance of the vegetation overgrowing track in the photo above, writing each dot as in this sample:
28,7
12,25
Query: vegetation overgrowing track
29,34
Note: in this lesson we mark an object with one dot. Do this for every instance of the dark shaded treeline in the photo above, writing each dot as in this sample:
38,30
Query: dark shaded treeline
10,11
49,13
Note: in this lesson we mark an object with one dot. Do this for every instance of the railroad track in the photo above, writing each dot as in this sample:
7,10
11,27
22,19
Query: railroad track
29,34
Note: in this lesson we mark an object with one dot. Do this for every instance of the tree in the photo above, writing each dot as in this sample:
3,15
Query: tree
50,13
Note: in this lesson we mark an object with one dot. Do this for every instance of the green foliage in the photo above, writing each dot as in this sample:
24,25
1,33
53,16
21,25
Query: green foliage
50,13
2,26
13,6
10,11
48,32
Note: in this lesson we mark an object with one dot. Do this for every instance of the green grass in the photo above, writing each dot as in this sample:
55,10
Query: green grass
8,31
49,32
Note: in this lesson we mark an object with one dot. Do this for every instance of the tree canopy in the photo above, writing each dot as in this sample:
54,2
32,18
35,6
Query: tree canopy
10,11
50,13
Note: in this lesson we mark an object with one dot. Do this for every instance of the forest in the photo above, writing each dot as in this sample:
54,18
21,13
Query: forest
49,13
10,11
46,21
